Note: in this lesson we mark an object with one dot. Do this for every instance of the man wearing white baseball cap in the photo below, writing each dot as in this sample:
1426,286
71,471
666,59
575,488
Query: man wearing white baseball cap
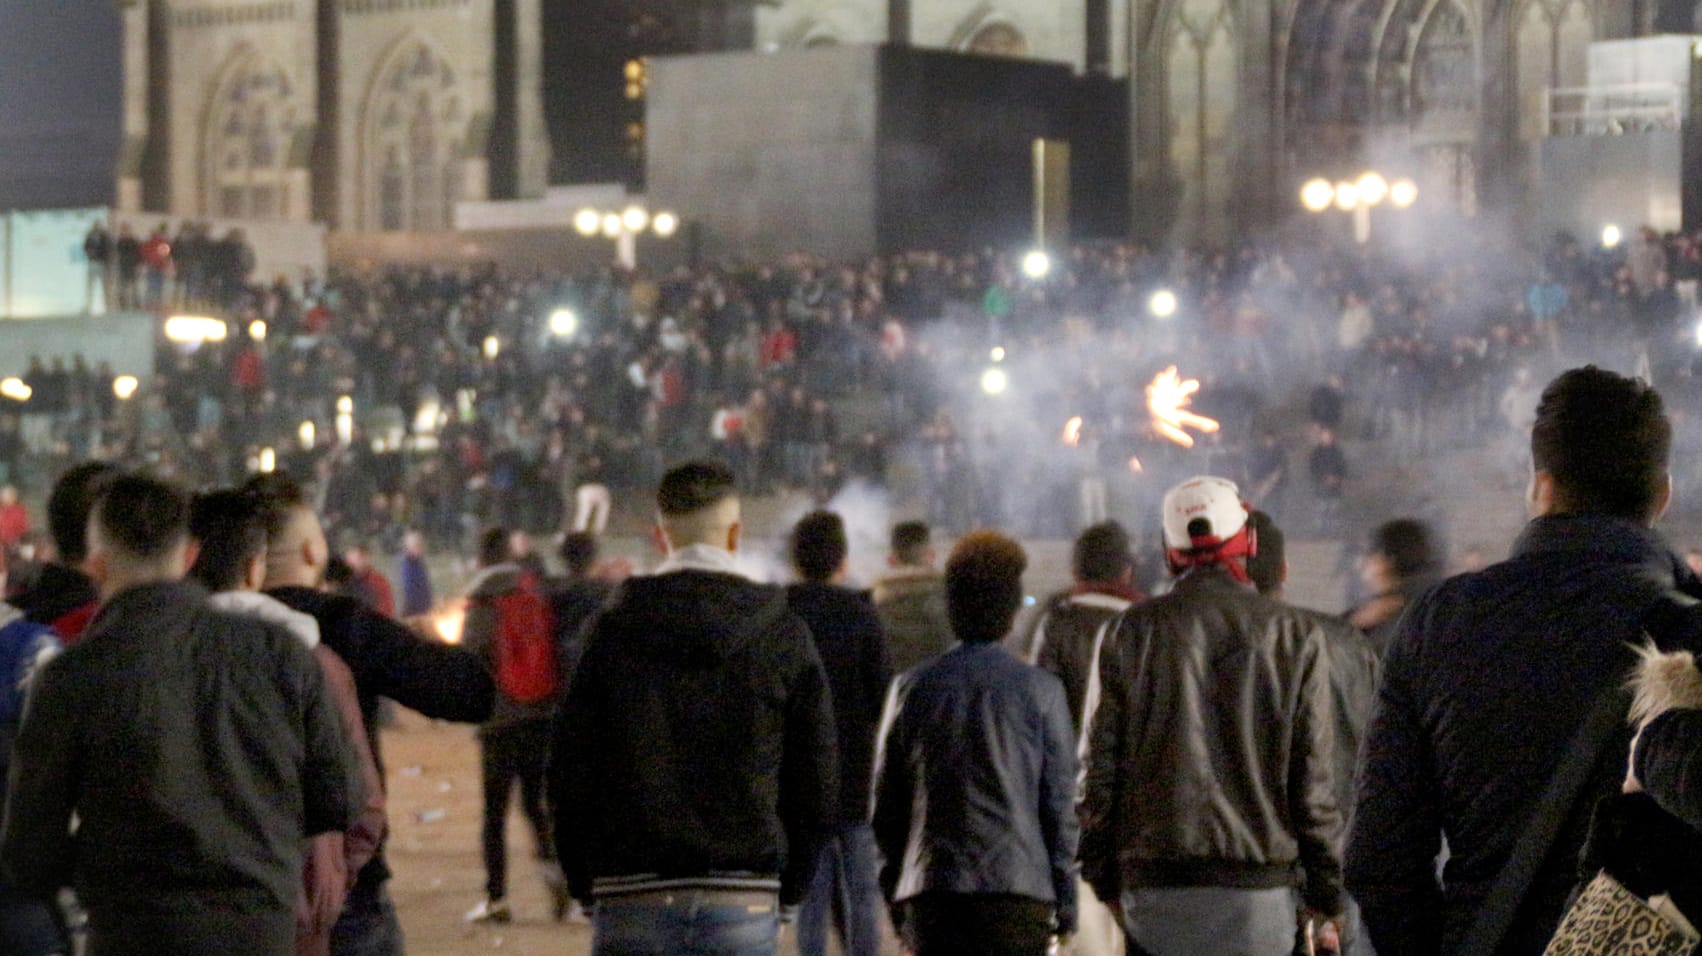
1210,814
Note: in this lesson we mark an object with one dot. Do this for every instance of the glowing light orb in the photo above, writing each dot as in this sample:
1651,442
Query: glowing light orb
1317,195
1036,264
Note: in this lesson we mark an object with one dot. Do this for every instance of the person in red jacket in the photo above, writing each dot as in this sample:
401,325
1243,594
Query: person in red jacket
14,518
374,586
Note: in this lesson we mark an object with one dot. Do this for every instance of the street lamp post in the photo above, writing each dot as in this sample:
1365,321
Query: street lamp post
624,226
1358,197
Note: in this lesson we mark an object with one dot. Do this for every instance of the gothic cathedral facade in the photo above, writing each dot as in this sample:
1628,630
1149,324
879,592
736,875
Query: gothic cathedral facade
381,114
367,115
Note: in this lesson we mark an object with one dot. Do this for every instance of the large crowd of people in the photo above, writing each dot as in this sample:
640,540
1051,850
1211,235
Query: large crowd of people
191,712
448,399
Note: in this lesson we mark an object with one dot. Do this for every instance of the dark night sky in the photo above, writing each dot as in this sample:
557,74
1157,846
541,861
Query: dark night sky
59,101
61,96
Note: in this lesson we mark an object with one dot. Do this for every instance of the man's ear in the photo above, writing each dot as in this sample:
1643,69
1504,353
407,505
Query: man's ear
1540,495
733,535
1282,572
308,558
659,539
191,553
97,566
1663,501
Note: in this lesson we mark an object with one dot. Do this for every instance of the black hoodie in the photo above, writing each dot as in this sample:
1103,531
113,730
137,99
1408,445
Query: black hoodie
696,746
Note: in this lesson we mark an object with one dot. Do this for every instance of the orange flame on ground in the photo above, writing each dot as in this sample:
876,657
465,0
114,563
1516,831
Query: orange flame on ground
1072,431
450,621
1168,398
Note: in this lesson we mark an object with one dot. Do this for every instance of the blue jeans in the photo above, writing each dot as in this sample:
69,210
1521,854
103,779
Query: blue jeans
29,925
845,886
687,923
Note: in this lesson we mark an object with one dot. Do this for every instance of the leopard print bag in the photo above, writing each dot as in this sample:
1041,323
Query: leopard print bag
1609,920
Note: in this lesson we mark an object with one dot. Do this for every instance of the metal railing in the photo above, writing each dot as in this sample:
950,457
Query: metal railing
1612,110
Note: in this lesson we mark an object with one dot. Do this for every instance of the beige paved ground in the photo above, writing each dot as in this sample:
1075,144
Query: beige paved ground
435,767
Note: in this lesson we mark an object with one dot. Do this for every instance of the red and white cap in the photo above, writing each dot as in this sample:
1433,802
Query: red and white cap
1205,522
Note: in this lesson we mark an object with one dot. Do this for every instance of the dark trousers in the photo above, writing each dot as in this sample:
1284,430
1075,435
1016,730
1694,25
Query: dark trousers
518,752
953,924
29,925
368,926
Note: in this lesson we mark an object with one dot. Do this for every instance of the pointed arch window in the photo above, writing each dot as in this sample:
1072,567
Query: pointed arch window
249,127
416,121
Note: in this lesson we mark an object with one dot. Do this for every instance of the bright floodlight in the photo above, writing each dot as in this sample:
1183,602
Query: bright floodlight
1317,195
611,224
268,461
195,329
492,347
994,381
346,405
1612,236
257,330
1403,193
1162,304
15,389
998,353
307,434
1347,197
635,218
124,386
564,323
1036,264
587,221
1373,188
665,224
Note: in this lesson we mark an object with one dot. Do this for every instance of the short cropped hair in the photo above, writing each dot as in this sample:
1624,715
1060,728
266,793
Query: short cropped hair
277,495
231,532
819,545
143,517
579,552
910,540
693,487
1265,564
1406,543
493,547
984,586
69,505
1605,440
1102,553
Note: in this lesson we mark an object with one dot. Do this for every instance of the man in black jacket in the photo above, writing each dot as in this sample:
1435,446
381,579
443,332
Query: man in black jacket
387,660
693,767
60,595
848,636
1491,674
1211,771
1353,688
196,750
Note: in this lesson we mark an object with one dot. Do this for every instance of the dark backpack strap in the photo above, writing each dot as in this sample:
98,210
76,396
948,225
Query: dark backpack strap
1584,756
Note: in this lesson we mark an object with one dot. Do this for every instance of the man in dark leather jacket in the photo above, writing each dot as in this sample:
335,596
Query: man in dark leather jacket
1211,777
1354,667
1490,675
